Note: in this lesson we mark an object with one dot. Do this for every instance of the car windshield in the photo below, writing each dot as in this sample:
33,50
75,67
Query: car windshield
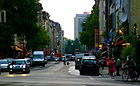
38,57
3,62
18,62
89,61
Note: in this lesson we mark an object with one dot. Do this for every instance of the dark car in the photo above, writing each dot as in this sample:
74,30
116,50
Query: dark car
89,65
4,65
19,65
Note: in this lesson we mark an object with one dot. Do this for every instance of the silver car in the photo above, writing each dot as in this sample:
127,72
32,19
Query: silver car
4,65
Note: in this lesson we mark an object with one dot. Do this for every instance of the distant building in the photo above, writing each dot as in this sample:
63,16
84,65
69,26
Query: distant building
78,20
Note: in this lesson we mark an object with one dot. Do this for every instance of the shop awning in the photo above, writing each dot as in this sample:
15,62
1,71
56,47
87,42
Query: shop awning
18,49
120,42
103,48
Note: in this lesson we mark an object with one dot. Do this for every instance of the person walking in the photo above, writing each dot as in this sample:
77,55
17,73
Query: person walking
118,65
64,61
112,68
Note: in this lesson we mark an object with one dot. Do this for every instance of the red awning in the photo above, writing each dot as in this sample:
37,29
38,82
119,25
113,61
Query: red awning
119,42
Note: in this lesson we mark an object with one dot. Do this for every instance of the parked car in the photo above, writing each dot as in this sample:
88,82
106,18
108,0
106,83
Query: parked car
29,61
9,60
55,58
4,65
19,65
72,58
49,58
62,58
89,65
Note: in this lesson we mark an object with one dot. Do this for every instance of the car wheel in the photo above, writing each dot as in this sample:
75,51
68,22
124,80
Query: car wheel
81,73
29,71
43,65
26,72
76,67
10,72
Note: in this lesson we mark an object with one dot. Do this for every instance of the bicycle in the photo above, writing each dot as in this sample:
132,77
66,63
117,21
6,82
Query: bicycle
130,73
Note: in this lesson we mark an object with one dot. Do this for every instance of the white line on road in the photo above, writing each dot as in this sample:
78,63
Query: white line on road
73,71
90,77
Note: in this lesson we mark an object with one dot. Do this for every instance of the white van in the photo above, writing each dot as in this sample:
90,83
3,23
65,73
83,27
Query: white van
39,58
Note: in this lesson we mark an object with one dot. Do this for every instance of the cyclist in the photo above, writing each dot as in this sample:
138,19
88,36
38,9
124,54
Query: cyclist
130,71
131,65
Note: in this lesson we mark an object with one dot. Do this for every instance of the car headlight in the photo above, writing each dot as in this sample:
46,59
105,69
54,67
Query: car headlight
24,66
11,66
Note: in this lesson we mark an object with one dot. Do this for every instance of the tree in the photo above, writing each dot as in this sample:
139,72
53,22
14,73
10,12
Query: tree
40,40
77,45
68,47
21,18
91,23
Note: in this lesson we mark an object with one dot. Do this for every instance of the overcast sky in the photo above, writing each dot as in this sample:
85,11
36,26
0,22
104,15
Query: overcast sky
64,11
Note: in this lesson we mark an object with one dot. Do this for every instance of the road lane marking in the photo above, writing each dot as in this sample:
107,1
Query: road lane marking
14,75
90,77
72,71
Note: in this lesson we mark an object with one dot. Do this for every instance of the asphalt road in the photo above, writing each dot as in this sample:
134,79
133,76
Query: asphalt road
57,74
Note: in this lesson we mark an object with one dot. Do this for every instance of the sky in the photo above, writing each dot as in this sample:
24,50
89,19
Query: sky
64,11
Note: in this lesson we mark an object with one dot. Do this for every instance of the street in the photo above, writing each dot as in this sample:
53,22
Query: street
57,74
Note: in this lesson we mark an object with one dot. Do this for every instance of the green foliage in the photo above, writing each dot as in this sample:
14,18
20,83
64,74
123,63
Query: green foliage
6,37
105,34
131,39
129,50
86,38
72,46
40,40
21,18
91,23
77,46
68,47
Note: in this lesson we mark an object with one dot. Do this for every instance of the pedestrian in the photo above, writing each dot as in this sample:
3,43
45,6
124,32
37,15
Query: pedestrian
112,68
118,65
64,61
108,60
68,63
102,63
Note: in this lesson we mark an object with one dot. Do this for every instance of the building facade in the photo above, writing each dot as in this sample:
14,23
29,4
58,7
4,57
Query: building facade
134,19
78,20
54,30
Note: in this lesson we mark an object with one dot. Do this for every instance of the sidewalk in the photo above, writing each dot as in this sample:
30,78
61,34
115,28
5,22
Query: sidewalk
105,74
